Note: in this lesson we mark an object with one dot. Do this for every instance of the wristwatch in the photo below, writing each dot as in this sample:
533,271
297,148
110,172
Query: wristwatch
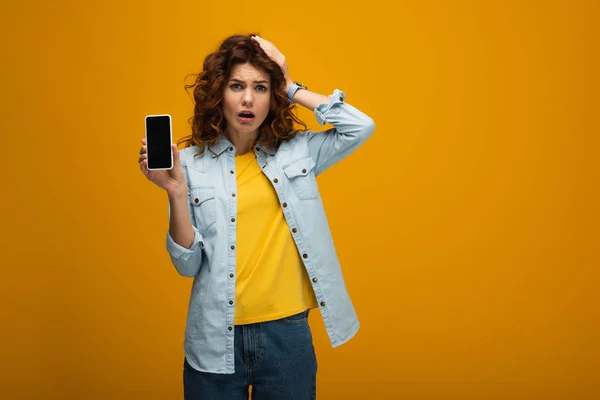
293,89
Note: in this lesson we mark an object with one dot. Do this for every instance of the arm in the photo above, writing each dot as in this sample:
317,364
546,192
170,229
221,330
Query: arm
184,241
351,127
306,98
180,223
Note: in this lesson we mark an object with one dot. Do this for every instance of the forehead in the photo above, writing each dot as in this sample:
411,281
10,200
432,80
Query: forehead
248,72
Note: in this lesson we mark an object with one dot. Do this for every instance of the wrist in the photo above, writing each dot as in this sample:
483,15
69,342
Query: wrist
288,83
177,193
293,88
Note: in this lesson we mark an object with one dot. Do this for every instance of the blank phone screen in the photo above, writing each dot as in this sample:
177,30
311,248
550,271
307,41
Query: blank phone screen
158,141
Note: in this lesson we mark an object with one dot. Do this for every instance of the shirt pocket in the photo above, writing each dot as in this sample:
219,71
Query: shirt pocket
301,176
204,205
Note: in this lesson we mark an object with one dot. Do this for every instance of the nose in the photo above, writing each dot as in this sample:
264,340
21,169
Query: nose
248,97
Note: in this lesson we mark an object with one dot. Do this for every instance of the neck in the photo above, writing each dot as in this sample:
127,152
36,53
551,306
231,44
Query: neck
243,142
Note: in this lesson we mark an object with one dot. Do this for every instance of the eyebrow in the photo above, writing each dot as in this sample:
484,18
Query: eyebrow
240,81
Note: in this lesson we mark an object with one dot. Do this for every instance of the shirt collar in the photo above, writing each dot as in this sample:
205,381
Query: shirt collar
224,144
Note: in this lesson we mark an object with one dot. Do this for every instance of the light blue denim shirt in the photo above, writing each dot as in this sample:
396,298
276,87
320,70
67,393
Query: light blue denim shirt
212,205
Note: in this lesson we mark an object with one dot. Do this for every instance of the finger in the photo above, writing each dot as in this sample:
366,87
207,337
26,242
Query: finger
272,52
263,41
269,52
268,44
144,167
264,44
142,158
143,150
144,141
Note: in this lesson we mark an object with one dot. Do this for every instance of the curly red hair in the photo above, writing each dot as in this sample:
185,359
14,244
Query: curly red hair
208,121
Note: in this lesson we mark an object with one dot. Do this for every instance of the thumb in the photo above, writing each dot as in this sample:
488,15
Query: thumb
176,161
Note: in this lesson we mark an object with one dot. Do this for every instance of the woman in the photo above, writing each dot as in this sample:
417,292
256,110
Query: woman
248,224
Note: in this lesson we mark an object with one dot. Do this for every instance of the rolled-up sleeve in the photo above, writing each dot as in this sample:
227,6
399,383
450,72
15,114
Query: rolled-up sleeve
351,128
178,252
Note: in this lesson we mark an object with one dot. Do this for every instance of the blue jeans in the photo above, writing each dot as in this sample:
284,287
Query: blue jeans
276,357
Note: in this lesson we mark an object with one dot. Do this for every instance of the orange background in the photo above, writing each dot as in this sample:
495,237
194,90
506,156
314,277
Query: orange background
467,226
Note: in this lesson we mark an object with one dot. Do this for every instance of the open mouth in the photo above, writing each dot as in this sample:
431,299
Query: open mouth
246,116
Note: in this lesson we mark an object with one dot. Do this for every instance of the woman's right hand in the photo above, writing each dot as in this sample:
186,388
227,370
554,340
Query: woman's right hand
172,180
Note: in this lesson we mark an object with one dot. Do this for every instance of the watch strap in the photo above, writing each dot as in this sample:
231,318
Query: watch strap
293,89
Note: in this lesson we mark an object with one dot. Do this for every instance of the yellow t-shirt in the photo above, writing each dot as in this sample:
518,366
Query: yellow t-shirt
272,282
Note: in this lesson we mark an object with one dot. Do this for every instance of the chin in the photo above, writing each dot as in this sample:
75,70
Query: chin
248,128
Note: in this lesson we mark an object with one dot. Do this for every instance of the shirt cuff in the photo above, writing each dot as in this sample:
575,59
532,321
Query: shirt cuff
179,252
321,111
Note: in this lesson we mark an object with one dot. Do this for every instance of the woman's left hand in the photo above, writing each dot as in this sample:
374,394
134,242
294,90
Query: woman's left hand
274,55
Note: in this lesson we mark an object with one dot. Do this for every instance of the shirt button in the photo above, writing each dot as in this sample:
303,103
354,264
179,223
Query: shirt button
231,275
315,279
230,328
303,170
196,200
232,194
294,230
305,255
230,302
231,172
232,247
232,219
275,180
231,149
322,304
284,205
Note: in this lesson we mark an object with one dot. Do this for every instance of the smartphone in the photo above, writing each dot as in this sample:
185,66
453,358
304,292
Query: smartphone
158,141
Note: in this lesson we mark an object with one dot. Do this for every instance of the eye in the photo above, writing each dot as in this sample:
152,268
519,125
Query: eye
261,88
236,86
